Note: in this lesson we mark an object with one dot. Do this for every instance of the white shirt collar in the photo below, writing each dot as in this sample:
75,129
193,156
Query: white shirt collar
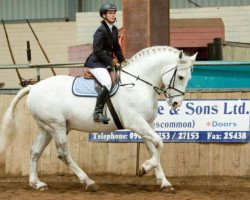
109,25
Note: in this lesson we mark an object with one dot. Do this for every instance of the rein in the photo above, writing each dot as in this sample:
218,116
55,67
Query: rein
158,90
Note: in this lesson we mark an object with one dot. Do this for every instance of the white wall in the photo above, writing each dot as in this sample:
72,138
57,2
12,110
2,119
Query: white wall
236,21
55,38
88,22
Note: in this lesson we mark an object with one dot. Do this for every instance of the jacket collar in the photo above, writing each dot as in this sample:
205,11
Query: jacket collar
107,28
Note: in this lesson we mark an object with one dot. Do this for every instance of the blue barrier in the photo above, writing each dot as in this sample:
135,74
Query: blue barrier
220,75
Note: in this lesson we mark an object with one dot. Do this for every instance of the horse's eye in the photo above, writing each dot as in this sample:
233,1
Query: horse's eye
181,77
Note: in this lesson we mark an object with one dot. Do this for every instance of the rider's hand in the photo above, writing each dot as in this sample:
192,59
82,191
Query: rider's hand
114,63
123,64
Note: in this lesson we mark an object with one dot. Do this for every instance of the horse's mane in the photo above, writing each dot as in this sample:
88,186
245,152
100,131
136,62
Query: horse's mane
152,50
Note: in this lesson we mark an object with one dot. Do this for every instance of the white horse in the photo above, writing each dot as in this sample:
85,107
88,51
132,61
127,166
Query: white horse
57,111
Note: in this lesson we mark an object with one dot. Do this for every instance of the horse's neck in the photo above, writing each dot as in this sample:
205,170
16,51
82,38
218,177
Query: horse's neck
149,69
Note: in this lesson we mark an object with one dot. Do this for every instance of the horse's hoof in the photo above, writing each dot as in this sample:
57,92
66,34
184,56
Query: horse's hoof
40,186
169,189
92,188
142,172
44,188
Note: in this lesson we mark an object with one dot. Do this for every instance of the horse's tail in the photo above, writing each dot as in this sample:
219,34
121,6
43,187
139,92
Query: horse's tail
8,126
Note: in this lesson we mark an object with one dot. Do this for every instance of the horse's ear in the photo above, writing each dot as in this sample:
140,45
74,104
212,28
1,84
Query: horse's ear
193,57
181,54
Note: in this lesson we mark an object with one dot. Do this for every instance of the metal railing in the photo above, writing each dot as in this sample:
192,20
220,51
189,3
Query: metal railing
45,65
80,64
38,67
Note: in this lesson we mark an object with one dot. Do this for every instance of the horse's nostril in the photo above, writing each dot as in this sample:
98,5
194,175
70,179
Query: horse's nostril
175,104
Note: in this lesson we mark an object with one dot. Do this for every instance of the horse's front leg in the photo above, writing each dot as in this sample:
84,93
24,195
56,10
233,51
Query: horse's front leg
159,173
142,128
160,176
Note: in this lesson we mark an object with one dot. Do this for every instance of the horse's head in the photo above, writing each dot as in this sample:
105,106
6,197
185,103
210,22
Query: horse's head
176,79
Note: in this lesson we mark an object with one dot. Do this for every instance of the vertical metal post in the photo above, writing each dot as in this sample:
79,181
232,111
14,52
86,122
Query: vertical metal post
137,158
44,53
38,75
28,52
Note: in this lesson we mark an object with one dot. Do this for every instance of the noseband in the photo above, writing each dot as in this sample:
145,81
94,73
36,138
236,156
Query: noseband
158,90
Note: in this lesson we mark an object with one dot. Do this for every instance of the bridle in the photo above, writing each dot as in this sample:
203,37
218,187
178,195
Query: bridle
158,90
172,83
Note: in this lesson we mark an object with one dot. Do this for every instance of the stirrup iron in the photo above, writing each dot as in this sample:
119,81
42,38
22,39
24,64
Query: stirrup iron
99,117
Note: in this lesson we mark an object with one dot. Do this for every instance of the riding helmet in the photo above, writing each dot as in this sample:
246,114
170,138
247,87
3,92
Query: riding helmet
106,7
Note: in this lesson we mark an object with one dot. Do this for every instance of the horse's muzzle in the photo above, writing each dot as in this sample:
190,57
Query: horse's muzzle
175,105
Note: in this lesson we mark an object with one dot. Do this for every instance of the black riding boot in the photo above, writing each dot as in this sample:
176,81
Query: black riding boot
100,102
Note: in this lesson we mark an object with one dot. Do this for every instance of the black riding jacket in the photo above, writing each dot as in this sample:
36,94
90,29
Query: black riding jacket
105,44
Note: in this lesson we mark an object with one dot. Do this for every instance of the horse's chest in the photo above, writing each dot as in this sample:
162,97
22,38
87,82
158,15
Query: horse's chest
147,109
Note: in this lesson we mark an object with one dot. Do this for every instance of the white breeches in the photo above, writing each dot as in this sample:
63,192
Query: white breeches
103,77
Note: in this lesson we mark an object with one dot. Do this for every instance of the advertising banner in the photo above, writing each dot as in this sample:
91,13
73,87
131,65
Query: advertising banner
218,120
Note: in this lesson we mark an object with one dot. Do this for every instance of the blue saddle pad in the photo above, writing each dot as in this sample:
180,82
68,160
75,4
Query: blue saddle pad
87,87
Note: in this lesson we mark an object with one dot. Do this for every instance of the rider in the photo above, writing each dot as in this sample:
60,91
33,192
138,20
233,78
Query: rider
105,43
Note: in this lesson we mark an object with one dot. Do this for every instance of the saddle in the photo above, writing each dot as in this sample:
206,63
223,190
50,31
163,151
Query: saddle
88,75
87,86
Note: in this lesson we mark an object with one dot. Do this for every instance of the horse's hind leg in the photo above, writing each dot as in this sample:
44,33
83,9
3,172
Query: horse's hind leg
61,141
41,141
